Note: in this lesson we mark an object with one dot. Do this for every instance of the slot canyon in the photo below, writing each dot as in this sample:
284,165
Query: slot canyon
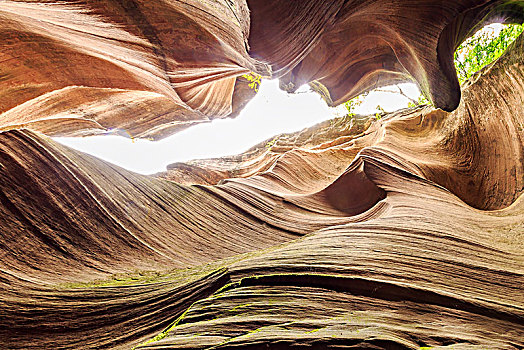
399,232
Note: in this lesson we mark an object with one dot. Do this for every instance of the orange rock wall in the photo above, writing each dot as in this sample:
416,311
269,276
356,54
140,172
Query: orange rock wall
398,233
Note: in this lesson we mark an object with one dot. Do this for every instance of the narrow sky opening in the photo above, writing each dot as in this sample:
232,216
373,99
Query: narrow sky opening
271,112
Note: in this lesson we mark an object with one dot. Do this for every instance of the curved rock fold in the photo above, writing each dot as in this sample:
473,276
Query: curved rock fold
404,232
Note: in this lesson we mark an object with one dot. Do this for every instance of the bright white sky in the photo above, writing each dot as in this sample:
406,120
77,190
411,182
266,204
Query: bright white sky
271,112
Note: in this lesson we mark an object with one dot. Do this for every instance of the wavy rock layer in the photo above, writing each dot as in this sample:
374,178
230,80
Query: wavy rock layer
143,68
348,47
138,68
398,233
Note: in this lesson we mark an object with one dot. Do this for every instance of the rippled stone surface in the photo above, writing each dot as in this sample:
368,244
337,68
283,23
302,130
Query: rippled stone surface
148,69
398,233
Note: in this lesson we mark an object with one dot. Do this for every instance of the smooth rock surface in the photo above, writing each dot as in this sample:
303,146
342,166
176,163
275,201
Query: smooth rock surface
148,69
398,233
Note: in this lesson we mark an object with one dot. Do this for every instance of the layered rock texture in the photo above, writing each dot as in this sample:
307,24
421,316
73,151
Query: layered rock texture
137,68
403,232
147,69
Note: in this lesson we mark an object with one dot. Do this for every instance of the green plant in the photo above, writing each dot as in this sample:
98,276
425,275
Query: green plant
422,100
352,104
270,144
482,48
253,79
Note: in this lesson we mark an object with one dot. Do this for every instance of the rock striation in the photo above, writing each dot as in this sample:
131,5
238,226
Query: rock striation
148,69
399,233
138,68
350,47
